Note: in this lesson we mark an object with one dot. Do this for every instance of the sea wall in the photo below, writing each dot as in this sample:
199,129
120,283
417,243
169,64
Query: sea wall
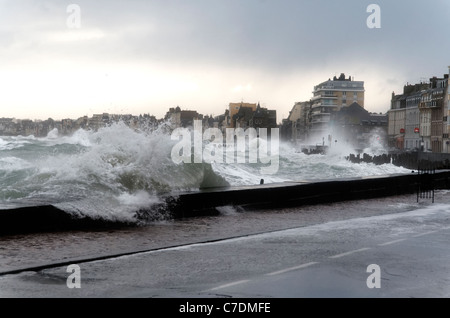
291,194
193,204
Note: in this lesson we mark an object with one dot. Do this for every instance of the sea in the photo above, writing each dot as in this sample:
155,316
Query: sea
113,172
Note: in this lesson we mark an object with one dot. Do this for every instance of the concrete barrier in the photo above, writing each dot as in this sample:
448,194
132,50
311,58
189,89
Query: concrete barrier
288,194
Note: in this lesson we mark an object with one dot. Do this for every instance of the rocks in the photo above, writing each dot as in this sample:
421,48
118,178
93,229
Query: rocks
409,160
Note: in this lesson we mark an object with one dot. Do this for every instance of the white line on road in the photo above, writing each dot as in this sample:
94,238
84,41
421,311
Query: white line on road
391,242
426,233
292,268
230,284
350,252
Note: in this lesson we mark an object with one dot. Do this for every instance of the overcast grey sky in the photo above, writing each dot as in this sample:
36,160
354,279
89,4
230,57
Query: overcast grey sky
147,56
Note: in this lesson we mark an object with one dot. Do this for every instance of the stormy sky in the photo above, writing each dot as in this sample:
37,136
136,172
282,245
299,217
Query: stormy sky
140,56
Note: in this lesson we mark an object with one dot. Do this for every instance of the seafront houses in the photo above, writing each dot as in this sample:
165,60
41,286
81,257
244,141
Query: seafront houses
396,128
311,120
248,115
237,113
404,118
437,100
41,128
419,118
356,127
298,122
446,119
412,121
263,118
182,118
7,126
329,97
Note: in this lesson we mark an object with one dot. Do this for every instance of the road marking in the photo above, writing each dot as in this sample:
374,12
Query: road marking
391,242
351,252
292,268
230,284
426,233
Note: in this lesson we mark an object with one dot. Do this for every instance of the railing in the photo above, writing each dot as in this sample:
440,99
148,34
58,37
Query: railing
323,105
425,189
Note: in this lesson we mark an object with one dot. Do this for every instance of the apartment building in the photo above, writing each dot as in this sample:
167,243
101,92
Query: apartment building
329,97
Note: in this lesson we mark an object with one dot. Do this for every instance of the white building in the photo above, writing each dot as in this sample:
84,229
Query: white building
412,122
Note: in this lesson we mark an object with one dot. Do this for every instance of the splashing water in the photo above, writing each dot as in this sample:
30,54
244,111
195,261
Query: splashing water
115,171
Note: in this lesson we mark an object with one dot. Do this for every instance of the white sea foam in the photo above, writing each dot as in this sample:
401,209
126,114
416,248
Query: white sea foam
117,170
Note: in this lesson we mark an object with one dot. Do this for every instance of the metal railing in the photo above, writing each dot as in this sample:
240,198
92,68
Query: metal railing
425,188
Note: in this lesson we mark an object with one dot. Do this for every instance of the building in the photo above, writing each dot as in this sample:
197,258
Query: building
221,121
182,118
7,126
396,128
247,115
299,121
234,109
355,126
263,118
412,122
329,97
433,106
418,118
407,126
446,119
243,117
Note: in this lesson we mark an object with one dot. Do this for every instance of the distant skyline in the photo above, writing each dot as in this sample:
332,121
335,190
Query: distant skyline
144,57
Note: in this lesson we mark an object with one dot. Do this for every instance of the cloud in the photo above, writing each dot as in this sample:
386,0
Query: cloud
241,88
205,53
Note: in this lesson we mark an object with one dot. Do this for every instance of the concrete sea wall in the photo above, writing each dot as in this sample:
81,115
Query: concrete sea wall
288,194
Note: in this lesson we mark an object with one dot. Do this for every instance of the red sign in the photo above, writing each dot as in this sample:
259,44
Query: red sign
402,130
416,130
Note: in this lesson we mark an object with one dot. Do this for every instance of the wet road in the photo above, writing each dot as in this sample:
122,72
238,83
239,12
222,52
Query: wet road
319,251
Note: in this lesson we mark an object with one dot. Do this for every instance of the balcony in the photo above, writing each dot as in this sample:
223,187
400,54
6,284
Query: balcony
320,120
319,113
325,95
320,104
432,104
